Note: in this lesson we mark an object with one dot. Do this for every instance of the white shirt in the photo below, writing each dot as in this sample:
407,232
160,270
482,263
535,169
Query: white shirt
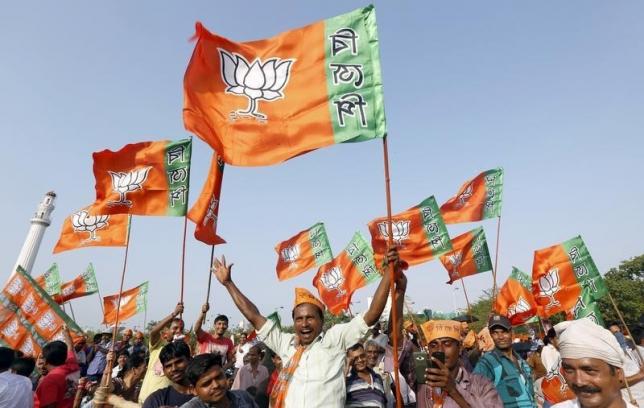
15,391
574,403
318,380
550,357
240,353
632,367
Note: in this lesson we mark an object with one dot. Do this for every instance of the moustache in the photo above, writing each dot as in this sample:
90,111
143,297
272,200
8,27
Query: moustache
586,389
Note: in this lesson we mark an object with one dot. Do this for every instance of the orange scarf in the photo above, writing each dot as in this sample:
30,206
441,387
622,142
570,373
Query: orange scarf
278,396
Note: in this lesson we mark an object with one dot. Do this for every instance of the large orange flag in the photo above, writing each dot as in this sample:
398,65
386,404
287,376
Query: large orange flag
85,228
477,199
554,386
147,178
133,301
515,299
84,284
263,102
205,211
469,255
307,249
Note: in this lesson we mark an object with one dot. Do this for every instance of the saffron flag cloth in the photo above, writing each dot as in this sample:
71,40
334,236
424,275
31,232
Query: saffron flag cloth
307,249
205,211
29,318
83,285
86,228
147,178
469,255
561,273
133,301
263,102
586,306
515,299
352,269
419,234
477,199
50,280
554,386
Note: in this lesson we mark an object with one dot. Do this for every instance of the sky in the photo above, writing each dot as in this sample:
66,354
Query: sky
551,91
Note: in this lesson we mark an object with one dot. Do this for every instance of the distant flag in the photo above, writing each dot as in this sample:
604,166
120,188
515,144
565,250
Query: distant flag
263,102
205,211
50,280
419,234
307,249
586,306
147,178
352,269
84,284
29,318
469,255
133,301
85,228
515,299
477,199
561,273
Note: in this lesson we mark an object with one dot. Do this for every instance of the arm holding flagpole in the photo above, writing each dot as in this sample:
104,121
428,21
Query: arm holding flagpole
155,333
200,319
379,301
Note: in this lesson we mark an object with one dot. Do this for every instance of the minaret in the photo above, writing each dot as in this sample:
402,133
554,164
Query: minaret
39,223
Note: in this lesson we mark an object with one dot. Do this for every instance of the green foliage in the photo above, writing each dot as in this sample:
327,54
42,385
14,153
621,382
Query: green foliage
626,284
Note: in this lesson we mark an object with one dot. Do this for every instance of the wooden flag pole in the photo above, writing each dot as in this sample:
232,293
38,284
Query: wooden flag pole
212,259
628,331
392,290
467,300
72,310
421,336
496,259
183,256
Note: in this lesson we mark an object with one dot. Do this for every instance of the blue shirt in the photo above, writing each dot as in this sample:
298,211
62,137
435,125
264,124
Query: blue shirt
513,381
362,394
237,398
98,363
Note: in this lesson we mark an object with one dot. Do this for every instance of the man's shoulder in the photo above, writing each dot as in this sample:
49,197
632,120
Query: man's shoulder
240,395
573,403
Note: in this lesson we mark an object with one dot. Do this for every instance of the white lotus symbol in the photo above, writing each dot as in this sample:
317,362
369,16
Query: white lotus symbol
291,254
464,196
255,81
549,285
124,301
521,306
124,183
211,213
83,222
400,230
332,280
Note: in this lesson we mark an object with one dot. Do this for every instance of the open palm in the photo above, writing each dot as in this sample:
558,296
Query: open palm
221,270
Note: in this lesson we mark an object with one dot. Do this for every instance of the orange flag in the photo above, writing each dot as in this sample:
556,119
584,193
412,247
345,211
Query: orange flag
515,299
205,212
477,199
298,254
84,284
263,102
469,255
147,178
554,386
133,301
85,228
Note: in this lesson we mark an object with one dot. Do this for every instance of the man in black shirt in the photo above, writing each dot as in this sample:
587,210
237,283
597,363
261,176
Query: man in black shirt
174,358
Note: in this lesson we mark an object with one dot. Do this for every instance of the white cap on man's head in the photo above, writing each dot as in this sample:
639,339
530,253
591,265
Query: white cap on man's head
583,338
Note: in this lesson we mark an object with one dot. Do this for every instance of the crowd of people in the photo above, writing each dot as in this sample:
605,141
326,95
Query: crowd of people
439,363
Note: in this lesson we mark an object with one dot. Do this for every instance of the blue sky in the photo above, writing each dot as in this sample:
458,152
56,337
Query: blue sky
551,91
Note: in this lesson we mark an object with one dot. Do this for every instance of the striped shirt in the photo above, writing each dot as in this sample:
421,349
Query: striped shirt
361,394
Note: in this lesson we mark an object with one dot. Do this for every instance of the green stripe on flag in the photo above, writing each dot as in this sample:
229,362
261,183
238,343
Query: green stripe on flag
584,267
521,277
177,168
142,298
320,244
52,280
89,277
587,307
434,227
361,254
493,193
480,251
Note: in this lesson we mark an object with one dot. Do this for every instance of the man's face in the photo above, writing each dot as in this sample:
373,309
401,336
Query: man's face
614,328
105,338
465,328
308,324
138,339
122,360
277,362
126,337
359,358
253,356
175,328
593,381
450,347
220,327
373,355
212,385
175,369
242,339
502,338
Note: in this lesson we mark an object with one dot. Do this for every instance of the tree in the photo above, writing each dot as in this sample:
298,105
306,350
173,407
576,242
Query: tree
626,284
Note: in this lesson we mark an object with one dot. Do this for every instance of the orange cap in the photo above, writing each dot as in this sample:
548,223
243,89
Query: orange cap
304,296
407,324
437,329
470,339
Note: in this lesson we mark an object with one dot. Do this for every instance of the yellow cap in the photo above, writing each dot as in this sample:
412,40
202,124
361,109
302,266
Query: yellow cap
437,329
304,296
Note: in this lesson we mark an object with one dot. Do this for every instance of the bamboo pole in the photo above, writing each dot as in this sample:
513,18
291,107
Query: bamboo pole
628,331
496,259
212,258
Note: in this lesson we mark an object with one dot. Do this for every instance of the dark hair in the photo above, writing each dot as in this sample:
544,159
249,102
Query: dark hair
55,353
614,323
24,366
176,349
97,337
123,352
133,361
355,347
320,312
546,341
551,333
178,320
221,318
200,365
7,356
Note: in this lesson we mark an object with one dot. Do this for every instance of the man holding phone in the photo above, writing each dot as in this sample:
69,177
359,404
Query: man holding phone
442,380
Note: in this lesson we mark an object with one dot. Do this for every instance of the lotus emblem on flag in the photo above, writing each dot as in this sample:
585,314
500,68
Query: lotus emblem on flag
210,213
291,254
256,81
455,259
124,183
549,286
333,280
11,329
27,347
400,230
124,301
464,196
521,306
83,222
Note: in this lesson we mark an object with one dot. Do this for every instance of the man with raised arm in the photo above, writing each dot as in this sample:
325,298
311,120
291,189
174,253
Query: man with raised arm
313,373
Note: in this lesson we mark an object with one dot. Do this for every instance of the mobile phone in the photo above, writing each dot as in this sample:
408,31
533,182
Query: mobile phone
438,355
420,364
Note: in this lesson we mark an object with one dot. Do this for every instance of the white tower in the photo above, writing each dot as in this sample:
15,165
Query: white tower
39,223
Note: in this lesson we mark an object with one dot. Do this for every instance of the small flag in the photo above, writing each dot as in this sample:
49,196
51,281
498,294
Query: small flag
133,301
554,386
85,228
50,280
29,318
83,285
515,299
354,268
263,102
477,199
561,273
419,234
586,306
469,255
308,249
205,211
147,178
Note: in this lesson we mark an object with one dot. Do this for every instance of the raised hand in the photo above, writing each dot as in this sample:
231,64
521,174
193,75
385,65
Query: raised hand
178,309
221,270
